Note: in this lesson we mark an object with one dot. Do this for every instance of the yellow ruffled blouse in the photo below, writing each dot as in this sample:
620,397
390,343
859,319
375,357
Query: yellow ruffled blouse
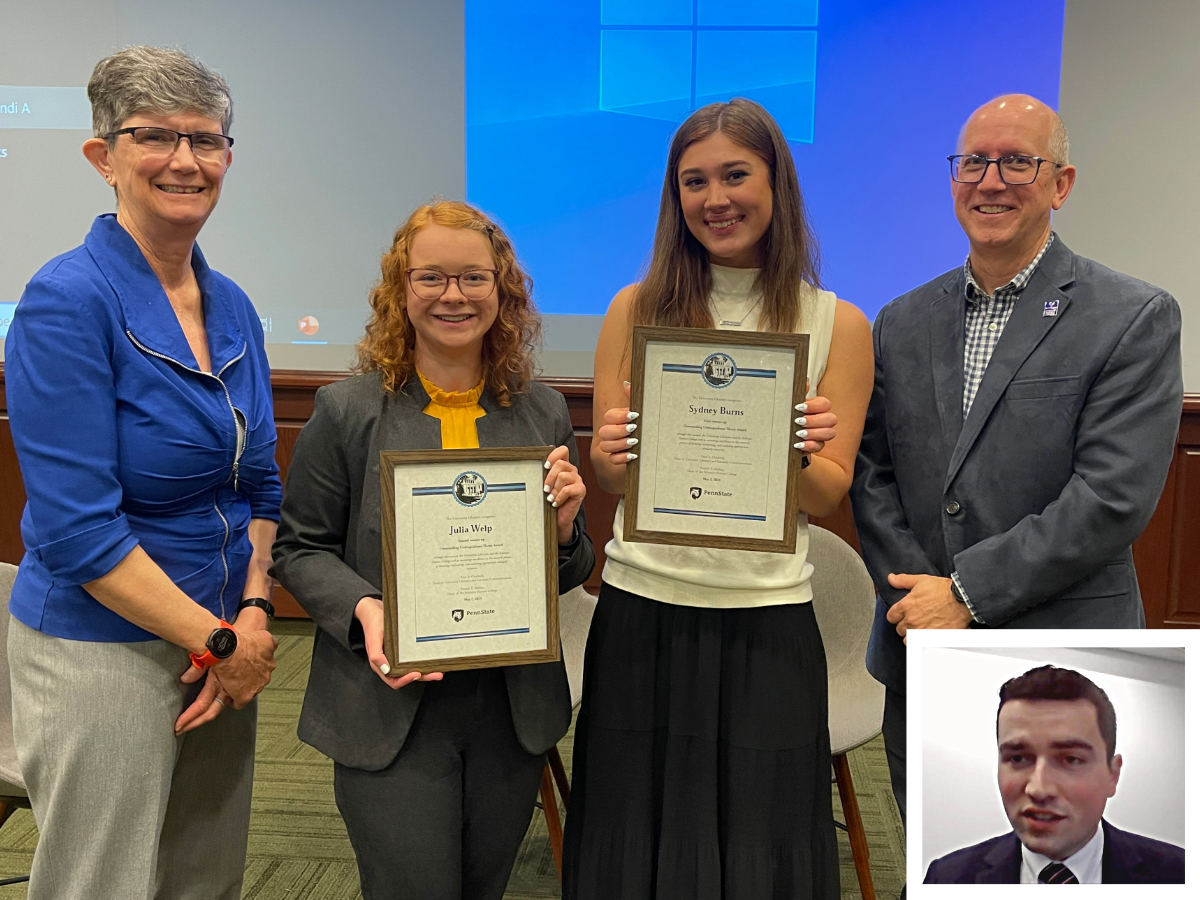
458,411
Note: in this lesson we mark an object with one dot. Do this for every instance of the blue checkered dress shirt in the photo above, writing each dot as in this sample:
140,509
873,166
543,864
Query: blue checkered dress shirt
987,314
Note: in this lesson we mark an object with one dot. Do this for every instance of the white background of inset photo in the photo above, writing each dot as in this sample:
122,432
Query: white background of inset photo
953,692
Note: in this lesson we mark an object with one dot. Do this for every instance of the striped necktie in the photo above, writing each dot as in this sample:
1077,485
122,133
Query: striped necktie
1057,873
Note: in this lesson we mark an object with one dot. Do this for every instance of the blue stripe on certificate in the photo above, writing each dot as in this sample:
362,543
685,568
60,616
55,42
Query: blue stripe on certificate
711,515
448,489
473,634
695,370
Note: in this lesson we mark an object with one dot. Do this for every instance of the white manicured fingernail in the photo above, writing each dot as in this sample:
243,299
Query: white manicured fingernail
799,446
802,407
550,498
802,433
625,383
630,429
630,457
631,415
555,505
385,668
630,442
800,420
546,488
547,465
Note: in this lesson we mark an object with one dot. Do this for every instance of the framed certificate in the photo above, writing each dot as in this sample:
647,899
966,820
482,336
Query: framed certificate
470,559
716,466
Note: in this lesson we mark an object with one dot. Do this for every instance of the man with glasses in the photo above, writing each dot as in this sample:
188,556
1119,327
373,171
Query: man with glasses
1024,417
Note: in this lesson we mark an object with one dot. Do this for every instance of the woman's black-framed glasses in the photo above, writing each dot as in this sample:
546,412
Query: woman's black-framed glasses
970,169
163,141
431,284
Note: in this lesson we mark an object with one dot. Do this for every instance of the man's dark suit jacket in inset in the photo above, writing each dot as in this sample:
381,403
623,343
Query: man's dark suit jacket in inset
328,556
1036,498
1128,859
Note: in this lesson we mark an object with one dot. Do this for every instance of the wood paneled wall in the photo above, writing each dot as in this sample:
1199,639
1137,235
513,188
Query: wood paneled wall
1169,576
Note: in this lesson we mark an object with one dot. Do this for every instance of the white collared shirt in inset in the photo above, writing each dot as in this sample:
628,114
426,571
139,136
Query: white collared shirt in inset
1087,864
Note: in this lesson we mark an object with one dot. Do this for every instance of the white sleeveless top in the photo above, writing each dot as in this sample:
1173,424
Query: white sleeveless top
702,576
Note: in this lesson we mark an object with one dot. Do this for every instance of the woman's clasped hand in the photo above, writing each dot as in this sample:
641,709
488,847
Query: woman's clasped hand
235,681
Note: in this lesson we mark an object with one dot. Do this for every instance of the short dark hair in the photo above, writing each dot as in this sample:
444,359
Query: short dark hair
1053,683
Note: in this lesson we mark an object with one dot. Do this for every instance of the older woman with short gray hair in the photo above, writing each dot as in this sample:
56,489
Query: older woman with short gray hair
140,405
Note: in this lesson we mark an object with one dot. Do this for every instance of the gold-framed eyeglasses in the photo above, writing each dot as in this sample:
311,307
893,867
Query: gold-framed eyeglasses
967,168
431,284
156,141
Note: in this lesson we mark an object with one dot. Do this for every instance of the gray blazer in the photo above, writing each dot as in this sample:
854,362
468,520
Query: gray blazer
328,555
1037,497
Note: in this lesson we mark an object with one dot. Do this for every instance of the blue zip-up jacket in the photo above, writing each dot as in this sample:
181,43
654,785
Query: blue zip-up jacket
122,440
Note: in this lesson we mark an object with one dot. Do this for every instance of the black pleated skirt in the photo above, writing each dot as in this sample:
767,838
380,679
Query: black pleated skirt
702,763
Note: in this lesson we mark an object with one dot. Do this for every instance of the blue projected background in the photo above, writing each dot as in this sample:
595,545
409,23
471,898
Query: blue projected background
664,59
570,108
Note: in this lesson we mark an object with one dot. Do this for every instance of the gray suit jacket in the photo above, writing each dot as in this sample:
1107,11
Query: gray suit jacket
1037,497
328,555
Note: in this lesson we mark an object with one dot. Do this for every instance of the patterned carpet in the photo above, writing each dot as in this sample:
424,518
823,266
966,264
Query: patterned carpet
298,847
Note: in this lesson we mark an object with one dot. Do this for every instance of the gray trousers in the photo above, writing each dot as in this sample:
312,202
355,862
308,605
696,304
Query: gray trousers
124,808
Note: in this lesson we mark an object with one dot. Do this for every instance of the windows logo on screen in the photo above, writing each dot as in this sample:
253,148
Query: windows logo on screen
661,59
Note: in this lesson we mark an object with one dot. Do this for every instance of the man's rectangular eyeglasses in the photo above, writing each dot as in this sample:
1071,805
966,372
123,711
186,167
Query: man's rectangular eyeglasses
969,169
430,284
164,141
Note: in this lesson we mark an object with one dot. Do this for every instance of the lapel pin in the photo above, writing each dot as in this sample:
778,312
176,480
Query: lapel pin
1051,308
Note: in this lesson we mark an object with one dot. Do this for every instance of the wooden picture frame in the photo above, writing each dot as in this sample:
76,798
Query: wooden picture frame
717,529
471,562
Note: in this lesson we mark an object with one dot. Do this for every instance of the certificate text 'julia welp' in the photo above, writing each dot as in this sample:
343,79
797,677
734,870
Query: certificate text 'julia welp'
470,558
470,586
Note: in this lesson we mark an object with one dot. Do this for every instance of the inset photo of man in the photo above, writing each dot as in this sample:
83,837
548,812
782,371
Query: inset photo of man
1044,765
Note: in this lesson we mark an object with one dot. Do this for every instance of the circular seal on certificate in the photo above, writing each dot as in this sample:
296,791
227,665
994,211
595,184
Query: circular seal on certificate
718,370
469,489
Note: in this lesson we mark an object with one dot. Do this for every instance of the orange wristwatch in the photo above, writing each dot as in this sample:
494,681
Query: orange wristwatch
220,645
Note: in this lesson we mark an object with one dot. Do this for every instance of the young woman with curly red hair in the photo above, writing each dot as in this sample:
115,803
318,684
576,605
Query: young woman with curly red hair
434,775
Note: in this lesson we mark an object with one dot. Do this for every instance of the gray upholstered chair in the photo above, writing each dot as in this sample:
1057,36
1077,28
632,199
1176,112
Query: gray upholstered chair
844,602
575,610
12,785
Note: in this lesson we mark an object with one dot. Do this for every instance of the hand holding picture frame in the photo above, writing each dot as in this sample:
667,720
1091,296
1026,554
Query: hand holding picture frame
716,466
470,559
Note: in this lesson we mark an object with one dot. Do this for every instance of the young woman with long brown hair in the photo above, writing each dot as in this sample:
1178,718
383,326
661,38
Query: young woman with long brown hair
434,775
702,759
